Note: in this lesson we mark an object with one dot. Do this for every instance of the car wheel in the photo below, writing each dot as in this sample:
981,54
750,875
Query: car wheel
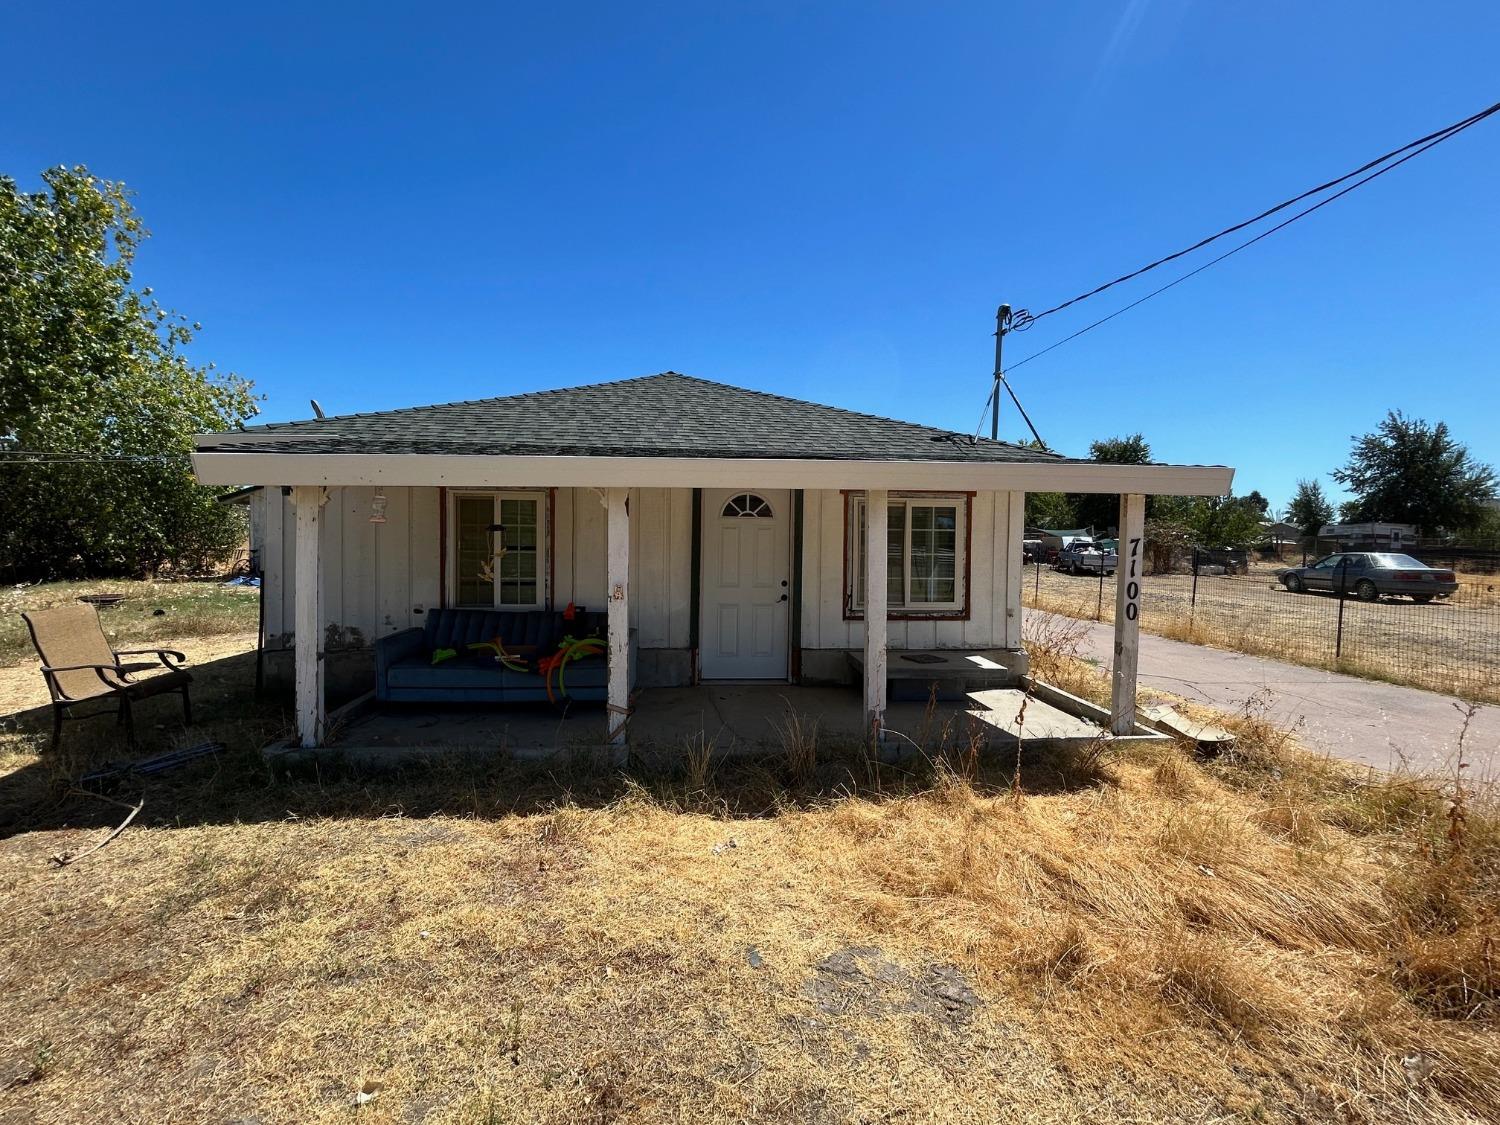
1293,583
1365,590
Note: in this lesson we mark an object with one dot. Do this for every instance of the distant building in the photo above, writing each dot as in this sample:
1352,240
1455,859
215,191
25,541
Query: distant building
1278,533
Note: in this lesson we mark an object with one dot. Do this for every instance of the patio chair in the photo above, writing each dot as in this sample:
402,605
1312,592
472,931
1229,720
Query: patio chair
81,668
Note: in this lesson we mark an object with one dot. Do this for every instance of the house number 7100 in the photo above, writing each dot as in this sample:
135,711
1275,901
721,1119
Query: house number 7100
1133,587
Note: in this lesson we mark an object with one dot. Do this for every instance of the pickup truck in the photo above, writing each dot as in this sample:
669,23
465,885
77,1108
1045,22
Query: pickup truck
1084,557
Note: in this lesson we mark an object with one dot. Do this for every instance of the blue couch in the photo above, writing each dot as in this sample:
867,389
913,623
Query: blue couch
404,671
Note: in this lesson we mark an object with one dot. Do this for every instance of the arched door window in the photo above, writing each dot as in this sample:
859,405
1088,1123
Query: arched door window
746,505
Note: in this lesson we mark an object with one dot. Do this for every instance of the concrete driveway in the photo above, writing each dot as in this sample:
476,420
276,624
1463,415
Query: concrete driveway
1364,721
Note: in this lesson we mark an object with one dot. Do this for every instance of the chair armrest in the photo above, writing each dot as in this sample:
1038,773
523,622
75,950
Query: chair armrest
168,656
50,671
397,646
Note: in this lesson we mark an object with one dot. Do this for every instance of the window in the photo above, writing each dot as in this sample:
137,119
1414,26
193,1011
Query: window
498,549
746,504
926,564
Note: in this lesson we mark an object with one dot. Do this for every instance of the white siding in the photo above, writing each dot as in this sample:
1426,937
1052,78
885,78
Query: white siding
378,578
990,558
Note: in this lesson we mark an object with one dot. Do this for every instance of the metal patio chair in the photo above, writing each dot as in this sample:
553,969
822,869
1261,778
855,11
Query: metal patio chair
81,668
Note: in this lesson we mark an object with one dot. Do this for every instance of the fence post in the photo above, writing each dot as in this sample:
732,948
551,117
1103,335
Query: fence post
1193,600
1338,640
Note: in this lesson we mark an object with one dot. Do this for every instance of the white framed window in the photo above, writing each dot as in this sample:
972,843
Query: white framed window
497,544
926,553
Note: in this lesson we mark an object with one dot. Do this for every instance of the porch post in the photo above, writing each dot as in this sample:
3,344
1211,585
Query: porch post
618,577
1127,613
308,618
875,609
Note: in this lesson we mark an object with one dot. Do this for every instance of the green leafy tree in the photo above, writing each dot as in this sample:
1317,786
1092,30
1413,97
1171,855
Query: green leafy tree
1309,509
1227,521
98,400
1408,471
1047,509
1099,511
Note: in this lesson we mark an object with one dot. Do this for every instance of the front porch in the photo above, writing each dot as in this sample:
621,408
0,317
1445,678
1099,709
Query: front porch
723,719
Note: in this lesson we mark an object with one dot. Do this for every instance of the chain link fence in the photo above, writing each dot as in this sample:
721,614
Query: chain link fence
1449,645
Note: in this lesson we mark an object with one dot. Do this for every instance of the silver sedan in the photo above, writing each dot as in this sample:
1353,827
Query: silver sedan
1369,576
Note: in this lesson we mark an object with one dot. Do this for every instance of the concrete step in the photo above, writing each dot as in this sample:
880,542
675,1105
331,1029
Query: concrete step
1000,709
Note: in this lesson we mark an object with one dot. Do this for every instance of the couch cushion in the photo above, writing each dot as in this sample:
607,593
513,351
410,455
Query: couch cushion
419,672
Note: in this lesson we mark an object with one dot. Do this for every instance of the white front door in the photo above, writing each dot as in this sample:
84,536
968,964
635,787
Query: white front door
747,570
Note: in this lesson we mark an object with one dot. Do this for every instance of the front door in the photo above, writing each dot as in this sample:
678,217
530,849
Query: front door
747,572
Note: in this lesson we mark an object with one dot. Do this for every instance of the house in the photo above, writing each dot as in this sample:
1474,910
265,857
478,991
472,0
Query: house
730,534
1279,533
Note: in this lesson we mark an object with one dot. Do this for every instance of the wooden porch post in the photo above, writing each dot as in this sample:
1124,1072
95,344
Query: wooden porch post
618,713
1127,612
875,609
308,619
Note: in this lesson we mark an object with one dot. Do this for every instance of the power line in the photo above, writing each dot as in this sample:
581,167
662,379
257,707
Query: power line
1251,241
1421,144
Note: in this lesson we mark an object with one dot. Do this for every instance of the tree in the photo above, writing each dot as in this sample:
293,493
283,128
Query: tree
1052,510
1309,509
1227,521
1101,511
1261,505
98,401
1410,472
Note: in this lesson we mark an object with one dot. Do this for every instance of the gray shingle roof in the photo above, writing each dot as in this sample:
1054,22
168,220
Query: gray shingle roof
667,415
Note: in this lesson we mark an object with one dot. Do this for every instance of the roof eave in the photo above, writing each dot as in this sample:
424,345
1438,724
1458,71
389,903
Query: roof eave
400,470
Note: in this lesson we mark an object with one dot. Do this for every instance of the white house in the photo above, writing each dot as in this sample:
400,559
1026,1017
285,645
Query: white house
728,533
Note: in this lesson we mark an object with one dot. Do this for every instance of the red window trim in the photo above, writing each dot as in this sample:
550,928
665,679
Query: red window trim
964,614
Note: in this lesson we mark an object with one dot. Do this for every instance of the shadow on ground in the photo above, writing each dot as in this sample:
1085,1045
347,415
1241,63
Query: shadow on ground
237,785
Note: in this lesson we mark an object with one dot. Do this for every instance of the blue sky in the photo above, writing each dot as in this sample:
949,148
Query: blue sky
385,204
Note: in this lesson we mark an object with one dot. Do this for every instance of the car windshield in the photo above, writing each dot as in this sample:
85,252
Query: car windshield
1400,561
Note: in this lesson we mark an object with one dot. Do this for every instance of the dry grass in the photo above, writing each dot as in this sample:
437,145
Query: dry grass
813,938
187,609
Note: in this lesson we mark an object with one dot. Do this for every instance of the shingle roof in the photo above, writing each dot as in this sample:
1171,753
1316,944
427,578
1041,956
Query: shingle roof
667,415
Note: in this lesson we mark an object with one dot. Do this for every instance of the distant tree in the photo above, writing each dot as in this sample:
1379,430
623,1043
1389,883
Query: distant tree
1309,509
1130,450
98,400
1050,510
1408,471
1261,505
1227,521
1099,511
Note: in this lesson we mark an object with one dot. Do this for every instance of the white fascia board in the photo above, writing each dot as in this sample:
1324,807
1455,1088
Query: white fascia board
397,470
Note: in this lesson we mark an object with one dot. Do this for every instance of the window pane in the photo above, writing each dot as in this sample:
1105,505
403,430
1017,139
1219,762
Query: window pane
474,516
895,555
934,553
519,519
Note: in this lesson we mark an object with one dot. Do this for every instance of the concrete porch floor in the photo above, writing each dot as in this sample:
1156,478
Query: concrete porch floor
732,716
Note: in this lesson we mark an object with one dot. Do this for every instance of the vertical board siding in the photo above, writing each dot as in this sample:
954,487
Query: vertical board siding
990,581
377,575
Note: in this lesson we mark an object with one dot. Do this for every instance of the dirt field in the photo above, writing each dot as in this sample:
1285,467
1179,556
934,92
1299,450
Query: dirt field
1449,646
